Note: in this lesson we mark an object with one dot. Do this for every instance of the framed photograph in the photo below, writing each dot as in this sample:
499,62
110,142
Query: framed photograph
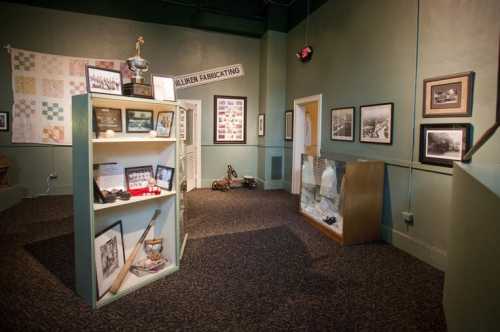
261,125
164,177
139,121
109,257
342,124
4,121
104,80
448,96
182,123
288,125
230,120
108,119
376,123
138,177
163,87
441,144
164,123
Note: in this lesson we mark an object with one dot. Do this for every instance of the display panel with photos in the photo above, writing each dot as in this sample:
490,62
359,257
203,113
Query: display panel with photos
230,115
164,177
108,119
163,87
4,121
442,144
376,123
288,125
138,177
448,96
261,125
139,121
342,124
164,123
101,80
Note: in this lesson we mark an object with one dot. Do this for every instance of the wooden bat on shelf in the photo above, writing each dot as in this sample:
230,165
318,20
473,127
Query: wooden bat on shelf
130,260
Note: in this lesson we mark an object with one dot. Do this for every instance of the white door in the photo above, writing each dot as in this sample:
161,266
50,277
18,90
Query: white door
189,134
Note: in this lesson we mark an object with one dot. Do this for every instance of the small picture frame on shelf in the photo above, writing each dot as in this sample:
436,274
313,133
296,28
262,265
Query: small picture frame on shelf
376,123
342,124
163,87
4,121
164,123
106,81
164,177
261,125
289,125
108,119
137,178
443,143
139,121
109,257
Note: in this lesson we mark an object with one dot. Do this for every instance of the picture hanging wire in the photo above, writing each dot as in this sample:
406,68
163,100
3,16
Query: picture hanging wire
307,22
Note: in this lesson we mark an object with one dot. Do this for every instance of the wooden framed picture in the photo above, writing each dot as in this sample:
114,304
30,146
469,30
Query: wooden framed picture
108,119
163,87
230,117
109,256
261,125
376,123
139,121
342,124
443,143
164,176
101,80
164,123
289,125
4,121
138,177
448,96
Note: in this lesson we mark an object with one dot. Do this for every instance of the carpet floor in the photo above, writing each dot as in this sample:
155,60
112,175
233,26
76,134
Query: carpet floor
251,264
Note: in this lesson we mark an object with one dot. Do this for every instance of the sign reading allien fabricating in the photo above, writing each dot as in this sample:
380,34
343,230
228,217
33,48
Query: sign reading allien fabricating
209,76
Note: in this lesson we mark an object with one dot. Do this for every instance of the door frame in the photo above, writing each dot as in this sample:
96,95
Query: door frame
299,135
198,137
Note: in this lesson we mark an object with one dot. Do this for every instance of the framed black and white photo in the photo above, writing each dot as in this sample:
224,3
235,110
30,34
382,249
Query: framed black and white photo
163,87
164,177
108,119
288,125
230,117
139,121
376,123
441,144
261,124
109,257
138,177
164,123
448,96
4,121
104,80
342,124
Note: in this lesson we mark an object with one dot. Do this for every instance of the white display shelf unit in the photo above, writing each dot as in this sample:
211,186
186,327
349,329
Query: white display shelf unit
129,150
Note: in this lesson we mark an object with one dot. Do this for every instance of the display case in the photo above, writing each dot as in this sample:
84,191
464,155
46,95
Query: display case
342,196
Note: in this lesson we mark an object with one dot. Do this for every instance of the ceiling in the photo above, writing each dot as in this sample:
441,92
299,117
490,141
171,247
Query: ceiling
242,17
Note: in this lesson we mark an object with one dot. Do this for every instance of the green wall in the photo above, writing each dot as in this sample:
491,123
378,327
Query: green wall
380,51
170,49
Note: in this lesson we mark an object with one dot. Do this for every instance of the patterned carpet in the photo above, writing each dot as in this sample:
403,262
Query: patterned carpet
251,264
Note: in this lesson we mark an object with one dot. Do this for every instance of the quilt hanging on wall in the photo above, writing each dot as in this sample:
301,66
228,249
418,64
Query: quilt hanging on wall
43,85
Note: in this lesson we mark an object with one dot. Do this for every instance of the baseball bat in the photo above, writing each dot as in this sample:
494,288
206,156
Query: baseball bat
123,272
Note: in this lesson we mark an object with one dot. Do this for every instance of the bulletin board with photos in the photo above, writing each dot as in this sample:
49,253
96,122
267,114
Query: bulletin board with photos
230,116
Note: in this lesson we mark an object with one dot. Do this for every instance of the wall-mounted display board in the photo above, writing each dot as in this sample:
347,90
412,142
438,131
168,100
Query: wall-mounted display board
230,120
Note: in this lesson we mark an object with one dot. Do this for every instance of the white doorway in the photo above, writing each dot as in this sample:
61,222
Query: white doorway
190,136
306,133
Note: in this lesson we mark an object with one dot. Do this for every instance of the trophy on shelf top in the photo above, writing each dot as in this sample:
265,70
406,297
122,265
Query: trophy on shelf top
138,65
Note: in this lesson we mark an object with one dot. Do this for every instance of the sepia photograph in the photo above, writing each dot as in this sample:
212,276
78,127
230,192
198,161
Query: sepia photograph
342,124
104,80
164,124
108,119
376,123
139,121
441,144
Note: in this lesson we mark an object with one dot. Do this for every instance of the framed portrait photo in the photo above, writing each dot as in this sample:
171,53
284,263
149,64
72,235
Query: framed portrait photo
448,96
442,144
138,177
261,125
139,121
108,119
342,124
164,123
230,117
288,125
376,123
4,121
164,177
163,87
109,257
101,80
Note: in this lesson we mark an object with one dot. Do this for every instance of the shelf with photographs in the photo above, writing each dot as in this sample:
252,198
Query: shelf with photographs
107,234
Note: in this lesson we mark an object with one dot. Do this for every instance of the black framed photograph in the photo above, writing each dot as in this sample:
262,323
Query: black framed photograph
289,125
108,119
230,120
164,123
4,121
163,87
138,177
376,123
101,80
261,125
342,124
443,143
109,257
139,121
164,177
448,96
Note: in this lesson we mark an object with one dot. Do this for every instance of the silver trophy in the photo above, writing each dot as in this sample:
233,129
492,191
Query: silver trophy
138,65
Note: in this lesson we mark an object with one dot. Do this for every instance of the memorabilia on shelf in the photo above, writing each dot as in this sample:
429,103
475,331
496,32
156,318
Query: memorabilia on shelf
230,115
163,87
4,167
109,176
342,124
153,248
376,123
164,177
138,180
138,65
109,256
139,121
147,266
448,96
164,123
108,119
289,125
261,124
4,121
441,144
109,133
101,80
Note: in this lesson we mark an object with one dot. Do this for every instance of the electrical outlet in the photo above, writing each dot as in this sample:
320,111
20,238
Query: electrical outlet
408,217
52,176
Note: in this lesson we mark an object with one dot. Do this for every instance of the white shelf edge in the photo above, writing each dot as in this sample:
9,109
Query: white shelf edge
132,200
131,99
132,140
